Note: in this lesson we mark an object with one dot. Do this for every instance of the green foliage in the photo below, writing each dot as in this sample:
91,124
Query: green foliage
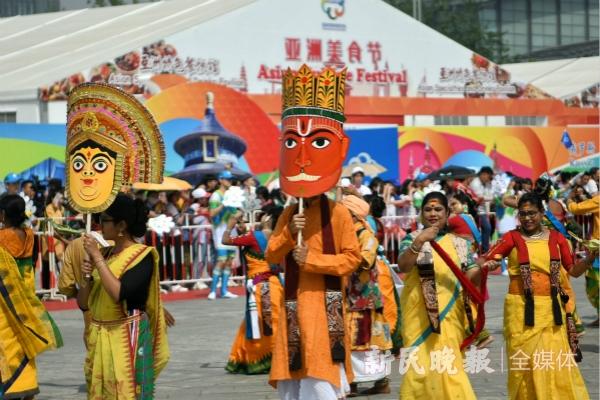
460,22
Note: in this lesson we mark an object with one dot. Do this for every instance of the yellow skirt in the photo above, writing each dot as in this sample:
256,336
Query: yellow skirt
253,356
436,371
538,357
25,384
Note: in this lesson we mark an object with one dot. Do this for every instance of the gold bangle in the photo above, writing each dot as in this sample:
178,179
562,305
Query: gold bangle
411,248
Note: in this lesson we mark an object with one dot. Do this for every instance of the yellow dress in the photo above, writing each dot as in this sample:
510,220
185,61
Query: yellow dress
125,348
253,356
538,357
26,330
446,379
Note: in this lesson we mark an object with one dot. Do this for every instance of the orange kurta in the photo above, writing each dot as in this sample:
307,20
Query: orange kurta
312,318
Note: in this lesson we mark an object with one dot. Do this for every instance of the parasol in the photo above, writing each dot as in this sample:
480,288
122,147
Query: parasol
451,172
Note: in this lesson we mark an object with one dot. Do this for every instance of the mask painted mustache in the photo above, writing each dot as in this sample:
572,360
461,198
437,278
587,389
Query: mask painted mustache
302,177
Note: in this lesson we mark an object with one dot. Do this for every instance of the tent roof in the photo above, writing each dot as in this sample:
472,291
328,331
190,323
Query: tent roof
559,78
38,49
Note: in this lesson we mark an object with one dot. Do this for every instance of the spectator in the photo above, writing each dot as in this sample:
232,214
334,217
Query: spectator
482,187
210,183
589,183
176,263
358,176
201,252
11,184
27,189
376,186
220,215
263,196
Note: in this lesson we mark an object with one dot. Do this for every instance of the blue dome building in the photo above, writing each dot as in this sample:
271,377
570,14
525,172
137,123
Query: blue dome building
210,149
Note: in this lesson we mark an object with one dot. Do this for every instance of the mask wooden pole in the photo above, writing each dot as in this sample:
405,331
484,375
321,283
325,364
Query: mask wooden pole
88,229
300,211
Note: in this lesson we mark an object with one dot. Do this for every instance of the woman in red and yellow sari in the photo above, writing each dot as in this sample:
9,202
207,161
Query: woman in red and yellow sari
127,342
433,313
540,334
26,328
16,238
253,346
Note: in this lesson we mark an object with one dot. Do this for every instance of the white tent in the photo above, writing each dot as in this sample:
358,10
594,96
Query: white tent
559,78
36,50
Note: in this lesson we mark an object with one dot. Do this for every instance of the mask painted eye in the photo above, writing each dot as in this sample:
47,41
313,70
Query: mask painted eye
78,164
320,143
100,165
290,143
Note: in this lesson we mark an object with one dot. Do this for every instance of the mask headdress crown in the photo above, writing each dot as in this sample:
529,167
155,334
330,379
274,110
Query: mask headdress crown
104,118
316,94
314,145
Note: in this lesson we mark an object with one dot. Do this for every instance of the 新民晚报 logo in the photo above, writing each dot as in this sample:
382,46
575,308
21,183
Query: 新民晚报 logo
333,8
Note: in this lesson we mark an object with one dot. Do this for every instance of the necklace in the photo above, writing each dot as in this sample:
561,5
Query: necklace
536,235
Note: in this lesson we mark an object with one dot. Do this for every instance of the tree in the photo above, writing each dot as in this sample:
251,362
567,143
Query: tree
460,22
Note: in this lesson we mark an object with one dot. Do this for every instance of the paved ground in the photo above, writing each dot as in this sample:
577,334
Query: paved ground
201,340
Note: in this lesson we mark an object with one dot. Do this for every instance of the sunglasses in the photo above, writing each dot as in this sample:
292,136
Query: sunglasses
530,214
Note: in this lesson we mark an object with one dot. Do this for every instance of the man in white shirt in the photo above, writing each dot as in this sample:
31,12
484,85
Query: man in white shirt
358,176
482,186
588,182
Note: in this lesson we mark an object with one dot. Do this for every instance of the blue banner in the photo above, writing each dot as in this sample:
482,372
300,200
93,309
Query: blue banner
375,150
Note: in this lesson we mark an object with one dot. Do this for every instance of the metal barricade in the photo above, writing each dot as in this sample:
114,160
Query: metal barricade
47,236
394,230
187,255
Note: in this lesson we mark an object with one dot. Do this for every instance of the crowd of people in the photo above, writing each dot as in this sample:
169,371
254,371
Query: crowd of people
473,222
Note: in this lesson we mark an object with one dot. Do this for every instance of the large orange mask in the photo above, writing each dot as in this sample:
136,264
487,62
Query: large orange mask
313,143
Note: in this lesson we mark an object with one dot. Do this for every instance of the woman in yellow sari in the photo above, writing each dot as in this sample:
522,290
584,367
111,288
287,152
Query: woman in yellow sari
433,312
16,238
26,328
253,345
127,342
25,331
540,334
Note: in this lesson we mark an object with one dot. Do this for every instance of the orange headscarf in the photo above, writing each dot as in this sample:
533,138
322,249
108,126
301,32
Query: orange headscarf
358,207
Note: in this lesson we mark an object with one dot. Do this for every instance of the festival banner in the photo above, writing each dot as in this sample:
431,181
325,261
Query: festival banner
248,50
521,150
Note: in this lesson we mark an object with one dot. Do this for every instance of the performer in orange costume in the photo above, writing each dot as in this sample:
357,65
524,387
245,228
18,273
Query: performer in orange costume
311,358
